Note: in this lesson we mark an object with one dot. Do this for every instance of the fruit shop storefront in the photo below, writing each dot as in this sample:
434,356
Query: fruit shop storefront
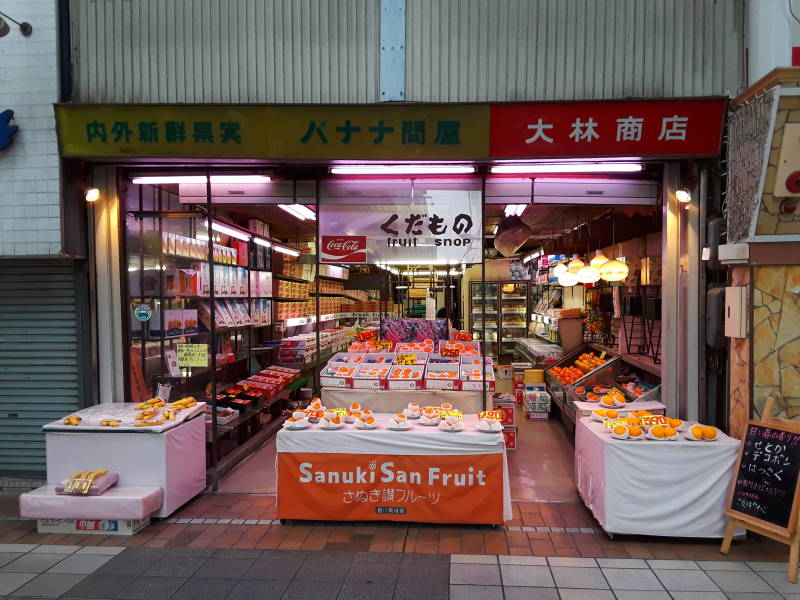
223,233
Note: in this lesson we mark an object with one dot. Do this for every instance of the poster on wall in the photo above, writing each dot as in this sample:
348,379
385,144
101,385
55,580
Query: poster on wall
426,226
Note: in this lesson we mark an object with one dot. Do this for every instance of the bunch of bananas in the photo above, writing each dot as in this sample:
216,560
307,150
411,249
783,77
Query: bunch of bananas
80,481
186,402
153,423
150,404
110,423
73,420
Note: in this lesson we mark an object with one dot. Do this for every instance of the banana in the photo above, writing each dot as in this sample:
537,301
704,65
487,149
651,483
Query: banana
110,423
72,420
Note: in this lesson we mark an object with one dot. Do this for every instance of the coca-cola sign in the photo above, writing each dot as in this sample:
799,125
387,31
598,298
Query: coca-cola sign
343,249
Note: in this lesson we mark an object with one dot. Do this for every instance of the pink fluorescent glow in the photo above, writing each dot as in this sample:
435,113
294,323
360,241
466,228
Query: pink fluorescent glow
514,209
165,179
285,250
239,235
402,170
609,167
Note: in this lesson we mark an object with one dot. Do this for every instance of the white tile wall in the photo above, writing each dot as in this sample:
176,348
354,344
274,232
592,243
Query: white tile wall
30,205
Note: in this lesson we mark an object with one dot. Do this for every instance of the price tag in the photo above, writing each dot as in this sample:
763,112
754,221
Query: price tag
451,413
497,415
449,351
164,390
462,336
603,354
384,345
611,423
650,420
366,335
192,355
405,359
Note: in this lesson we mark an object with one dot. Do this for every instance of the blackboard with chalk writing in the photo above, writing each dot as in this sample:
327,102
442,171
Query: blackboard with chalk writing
765,489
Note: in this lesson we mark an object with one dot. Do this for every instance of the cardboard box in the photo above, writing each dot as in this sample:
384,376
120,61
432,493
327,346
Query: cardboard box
510,437
504,371
371,376
414,381
433,382
190,322
329,377
476,384
91,526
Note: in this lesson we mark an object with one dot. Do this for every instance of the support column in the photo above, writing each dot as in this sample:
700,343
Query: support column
670,293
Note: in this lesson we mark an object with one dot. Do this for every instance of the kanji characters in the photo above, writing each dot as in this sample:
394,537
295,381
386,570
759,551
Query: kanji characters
148,131
202,132
175,131
348,129
229,132
97,130
447,132
673,128
380,130
413,132
122,131
629,129
317,129
538,129
584,130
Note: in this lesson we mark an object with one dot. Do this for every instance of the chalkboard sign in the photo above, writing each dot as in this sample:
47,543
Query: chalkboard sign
765,488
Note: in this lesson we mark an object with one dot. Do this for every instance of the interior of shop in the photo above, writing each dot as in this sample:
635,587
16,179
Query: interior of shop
565,296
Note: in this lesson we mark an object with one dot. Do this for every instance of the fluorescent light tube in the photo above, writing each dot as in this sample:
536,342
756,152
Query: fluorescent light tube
285,250
239,179
610,167
261,242
239,235
163,179
293,210
402,170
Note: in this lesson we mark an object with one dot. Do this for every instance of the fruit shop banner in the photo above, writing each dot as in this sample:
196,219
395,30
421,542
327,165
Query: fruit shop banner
434,229
360,487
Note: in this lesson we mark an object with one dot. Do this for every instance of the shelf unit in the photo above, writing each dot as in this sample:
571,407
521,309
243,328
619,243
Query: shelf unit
514,311
488,313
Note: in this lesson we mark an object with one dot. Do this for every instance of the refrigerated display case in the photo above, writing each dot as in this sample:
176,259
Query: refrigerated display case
488,312
514,316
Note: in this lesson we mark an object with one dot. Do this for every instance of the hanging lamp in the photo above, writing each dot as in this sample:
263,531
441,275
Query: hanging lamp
576,264
567,279
599,259
560,269
588,274
614,270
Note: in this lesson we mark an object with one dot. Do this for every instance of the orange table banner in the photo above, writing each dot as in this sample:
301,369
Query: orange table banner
358,487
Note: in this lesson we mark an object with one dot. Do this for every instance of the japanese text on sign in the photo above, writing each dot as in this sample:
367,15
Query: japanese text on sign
192,355
171,132
408,132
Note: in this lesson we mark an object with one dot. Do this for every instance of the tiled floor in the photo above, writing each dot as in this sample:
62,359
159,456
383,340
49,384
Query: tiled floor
115,572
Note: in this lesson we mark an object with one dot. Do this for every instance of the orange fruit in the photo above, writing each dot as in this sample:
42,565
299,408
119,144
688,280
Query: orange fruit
697,432
635,421
657,431
709,433
400,417
635,431
620,429
600,412
675,423
370,421
669,432
611,413
607,401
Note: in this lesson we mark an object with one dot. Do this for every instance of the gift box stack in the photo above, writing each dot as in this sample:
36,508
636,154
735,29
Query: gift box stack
507,404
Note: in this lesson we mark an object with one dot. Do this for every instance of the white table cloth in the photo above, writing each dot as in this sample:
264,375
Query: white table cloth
674,488
125,412
392,401
174,460
418,441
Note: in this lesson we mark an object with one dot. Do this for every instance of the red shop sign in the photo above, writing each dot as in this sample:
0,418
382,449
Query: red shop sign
636,128
343,248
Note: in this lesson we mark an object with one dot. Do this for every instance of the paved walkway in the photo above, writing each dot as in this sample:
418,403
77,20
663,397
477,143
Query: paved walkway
116,572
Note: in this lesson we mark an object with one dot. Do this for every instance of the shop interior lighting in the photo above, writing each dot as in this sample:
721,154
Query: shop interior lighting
401,287
235,233
452,273
515,209
560,269
614,270
92,194
167,179
575,265
402,170
494,229
588,274
531,256
261,242
598,260
577,167
299,211
568,279
683,195
286,250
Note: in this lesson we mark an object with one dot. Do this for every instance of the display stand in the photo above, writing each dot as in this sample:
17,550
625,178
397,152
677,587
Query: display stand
789,534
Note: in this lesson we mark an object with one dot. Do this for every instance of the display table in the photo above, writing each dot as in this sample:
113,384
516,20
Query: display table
392,401
420,475
642,487
584,409
173,460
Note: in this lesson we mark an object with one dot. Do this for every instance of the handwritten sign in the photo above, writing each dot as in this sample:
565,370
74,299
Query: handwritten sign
496,415
650,420
192,355
766,484
611,423
451,413
369,334
462,336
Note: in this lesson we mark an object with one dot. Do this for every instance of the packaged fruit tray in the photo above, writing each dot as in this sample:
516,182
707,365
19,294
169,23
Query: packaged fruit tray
575,374
442,377
405,377
371,376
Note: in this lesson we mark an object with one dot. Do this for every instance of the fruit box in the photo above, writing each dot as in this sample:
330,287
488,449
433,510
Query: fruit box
471,381
92,526
267,388
442,377
438,359
338,375
466,348
378,358
400,379
510,437
347,357
470,360
371,376
508,409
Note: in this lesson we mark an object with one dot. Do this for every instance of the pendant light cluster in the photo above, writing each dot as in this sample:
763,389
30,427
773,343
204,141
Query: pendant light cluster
599,267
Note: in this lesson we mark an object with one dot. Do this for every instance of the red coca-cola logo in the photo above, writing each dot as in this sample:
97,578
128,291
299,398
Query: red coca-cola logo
344,248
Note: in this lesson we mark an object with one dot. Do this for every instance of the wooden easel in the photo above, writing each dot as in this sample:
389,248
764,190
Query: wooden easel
789,536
